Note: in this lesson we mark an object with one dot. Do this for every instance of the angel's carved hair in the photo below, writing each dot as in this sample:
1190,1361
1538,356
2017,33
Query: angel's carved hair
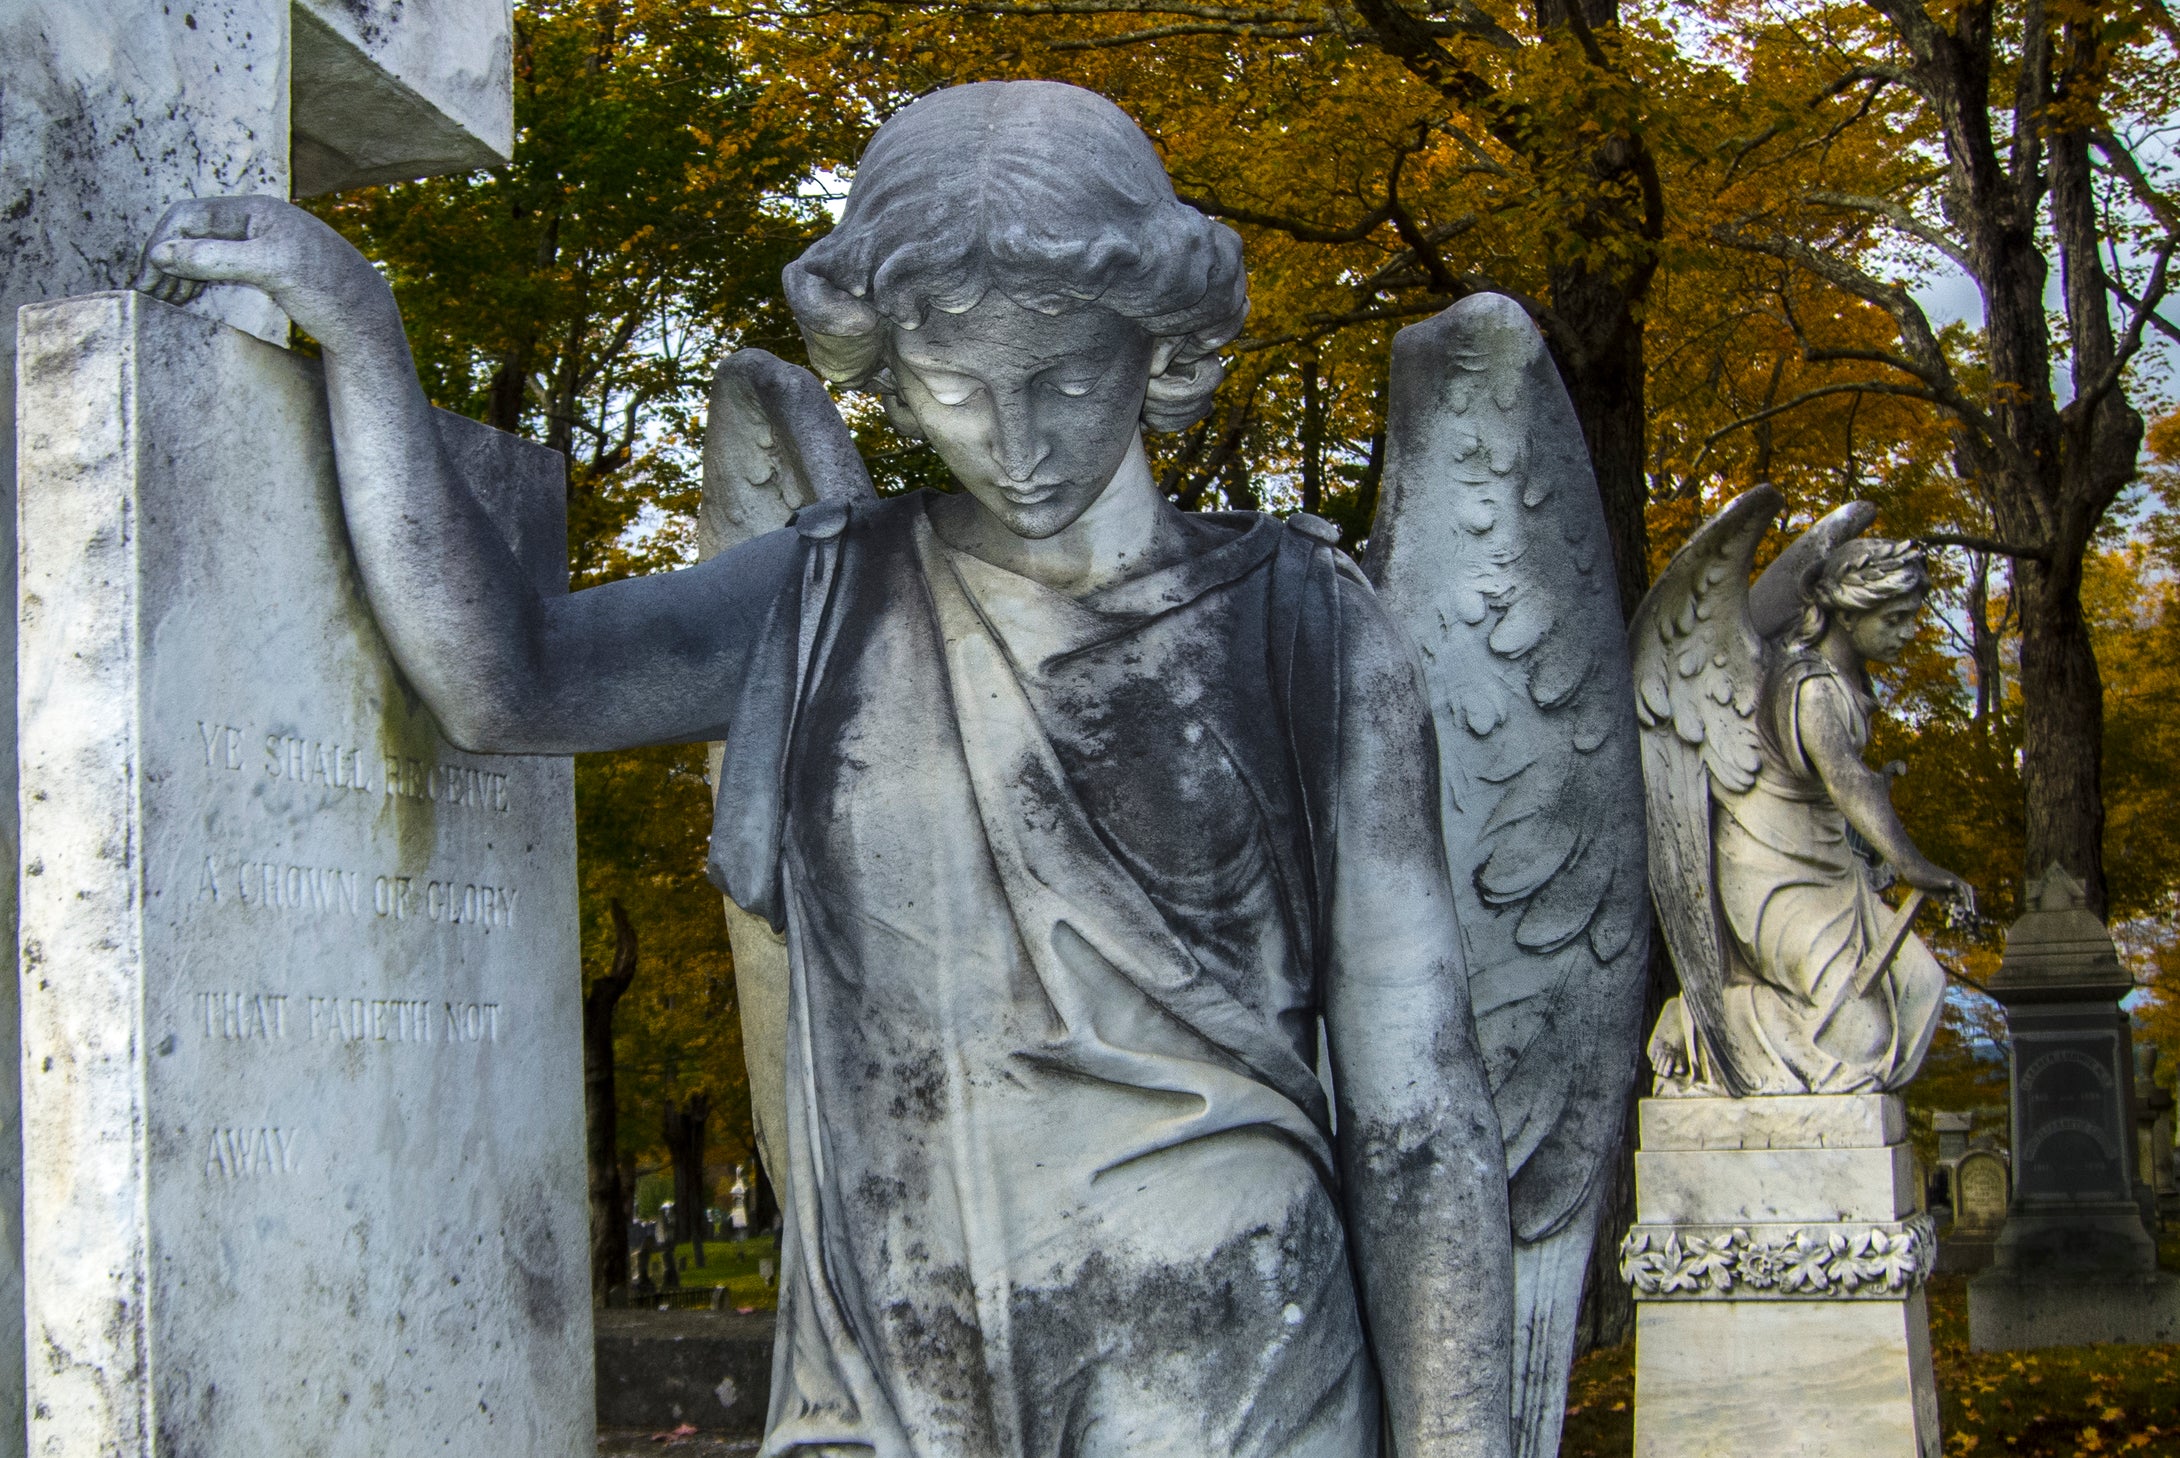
1044,191
1856,577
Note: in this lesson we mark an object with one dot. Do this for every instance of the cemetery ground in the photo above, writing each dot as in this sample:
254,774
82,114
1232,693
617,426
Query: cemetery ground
2057,1402
738,1265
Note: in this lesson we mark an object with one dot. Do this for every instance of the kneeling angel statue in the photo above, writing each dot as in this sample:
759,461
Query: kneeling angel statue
1209,975
1770,838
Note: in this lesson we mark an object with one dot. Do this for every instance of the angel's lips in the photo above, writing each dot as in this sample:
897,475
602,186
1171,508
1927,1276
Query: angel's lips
1032,493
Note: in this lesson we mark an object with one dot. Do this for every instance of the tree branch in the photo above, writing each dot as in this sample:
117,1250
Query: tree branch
1294,228
1901,217
2153,293
1988,545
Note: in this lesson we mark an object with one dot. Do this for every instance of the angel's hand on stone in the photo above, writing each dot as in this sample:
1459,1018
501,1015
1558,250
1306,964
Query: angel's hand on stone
316,277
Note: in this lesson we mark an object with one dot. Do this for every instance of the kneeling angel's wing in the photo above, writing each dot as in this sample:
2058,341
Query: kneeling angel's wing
1699,666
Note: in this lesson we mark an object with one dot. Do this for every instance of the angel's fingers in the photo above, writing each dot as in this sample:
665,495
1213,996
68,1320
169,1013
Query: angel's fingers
208,217
171,290
206,260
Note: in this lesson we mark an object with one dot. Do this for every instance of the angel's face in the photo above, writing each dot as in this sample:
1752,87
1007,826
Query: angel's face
1033,413
1883,631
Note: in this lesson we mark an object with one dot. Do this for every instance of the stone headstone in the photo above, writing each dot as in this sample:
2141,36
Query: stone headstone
1952,1129
2074,1262
1979,1192
1778,1261
109,112
301,1019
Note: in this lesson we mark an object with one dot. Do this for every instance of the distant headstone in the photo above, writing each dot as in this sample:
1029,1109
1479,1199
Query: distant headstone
301,1008
2074,1262
1952,1130
1979,1193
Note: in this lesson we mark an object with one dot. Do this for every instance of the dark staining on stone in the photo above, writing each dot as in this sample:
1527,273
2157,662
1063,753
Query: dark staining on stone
919,1088
938,1348
878,1196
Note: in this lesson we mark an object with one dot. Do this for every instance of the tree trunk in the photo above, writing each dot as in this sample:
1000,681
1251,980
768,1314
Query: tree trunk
609,1194
2062,728
684,1133
1605,382
1313,439
764,1202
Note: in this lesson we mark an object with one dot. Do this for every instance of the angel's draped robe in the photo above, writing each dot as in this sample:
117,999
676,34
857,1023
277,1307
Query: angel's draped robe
1058,1177
1801,910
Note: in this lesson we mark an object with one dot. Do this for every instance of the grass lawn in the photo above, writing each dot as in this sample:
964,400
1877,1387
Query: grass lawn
733,1264
2054,1403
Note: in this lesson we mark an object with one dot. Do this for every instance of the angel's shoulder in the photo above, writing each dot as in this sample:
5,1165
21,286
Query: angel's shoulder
1804,686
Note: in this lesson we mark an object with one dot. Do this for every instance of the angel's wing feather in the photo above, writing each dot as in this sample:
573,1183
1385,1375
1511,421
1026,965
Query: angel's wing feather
1699,665
773,443
1489,547
1776,599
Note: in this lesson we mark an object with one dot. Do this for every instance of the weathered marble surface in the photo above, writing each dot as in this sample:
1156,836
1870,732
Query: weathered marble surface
393,89
1778,1260
1787,1379
302,1022
109,112
1790,1121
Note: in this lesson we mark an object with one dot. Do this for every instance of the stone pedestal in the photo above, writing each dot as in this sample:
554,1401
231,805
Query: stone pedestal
302,1025
2075,1262
1777,1261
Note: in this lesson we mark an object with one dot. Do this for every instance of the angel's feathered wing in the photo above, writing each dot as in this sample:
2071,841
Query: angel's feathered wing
1775,602
773,443
1490,548
1699,665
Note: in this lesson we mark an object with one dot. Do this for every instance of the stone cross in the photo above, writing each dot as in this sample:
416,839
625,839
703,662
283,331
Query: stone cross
109,113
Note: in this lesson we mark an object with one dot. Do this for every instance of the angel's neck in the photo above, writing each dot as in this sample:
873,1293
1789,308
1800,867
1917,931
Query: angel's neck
1838,649
1130,529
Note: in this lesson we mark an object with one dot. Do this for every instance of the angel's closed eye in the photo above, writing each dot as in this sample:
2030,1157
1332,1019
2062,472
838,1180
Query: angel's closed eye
949,389
1074,387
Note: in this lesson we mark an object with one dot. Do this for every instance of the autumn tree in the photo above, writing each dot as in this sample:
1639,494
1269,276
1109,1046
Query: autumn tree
2021,130
582,296
609,1196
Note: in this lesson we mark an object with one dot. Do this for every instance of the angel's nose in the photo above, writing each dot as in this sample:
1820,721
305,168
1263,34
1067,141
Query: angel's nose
1016,442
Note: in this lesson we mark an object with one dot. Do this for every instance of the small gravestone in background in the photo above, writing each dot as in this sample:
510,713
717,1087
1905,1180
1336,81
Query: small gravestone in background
1980,1193
1952,1129
2074,1262
2153,1136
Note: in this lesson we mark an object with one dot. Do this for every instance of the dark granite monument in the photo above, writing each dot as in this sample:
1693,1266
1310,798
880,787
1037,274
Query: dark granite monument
2075,1262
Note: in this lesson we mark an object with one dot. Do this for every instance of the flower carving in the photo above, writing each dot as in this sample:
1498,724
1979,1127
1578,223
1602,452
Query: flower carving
1873,1261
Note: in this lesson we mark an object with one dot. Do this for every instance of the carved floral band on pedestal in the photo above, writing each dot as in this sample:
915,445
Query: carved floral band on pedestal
1856,1260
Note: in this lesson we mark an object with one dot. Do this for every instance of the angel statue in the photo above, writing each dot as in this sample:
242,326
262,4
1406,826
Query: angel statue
1192,986
1770,838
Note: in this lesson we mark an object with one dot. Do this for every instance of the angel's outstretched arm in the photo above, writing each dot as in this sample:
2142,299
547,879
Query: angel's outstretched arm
1422,1164
504,668
1864,795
